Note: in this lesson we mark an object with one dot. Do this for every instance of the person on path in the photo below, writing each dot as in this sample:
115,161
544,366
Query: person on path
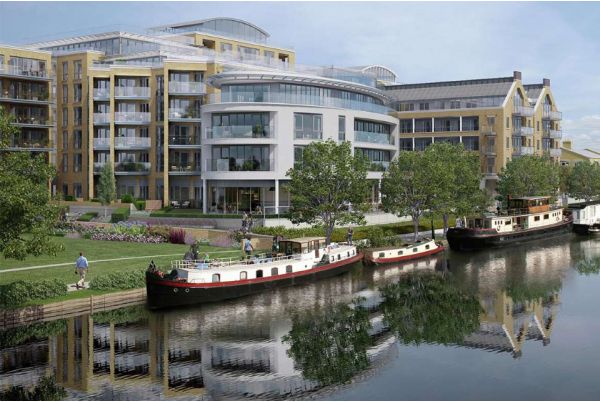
349,236
81,267
250,223
248,247
244,222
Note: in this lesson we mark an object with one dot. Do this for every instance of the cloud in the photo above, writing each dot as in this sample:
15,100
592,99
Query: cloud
585,131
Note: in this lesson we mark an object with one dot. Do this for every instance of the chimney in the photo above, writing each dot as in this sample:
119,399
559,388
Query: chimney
546,82
517,75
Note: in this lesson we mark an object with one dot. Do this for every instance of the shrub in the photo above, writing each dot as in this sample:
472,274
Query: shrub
119,280
20,292
177,236
119,215
70,198
161,231
140,205
127,199
94,200
88,216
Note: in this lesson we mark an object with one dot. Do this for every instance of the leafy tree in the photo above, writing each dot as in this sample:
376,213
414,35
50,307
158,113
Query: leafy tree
564,176
26,215
45,390
330,345
428,308
584,181
529,176
107,191
325,183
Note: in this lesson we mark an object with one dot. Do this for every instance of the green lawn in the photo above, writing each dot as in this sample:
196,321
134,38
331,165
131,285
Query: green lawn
98,250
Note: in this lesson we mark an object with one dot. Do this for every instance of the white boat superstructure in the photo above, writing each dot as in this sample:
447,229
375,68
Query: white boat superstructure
586,217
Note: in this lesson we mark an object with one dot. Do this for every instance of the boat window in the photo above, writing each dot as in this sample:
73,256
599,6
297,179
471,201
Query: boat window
487,224
259,273
381,255
427,247
400,252
289,269
332,257
274,271
415,250
546,216
507,222
348,253
536,218
216,278
339,257
353,251
243,275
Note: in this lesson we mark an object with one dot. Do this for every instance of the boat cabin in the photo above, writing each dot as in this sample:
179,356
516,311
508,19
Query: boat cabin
586,213
302,245
528,205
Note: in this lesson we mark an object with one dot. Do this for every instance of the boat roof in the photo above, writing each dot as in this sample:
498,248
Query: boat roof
531,198
305,239
581,205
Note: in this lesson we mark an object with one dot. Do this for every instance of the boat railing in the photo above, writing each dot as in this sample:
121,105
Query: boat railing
523,211
227,262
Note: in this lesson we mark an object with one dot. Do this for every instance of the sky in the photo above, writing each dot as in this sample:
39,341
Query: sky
421,42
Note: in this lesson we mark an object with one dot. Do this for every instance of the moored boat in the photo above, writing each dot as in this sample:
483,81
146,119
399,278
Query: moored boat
586,217
526,218
300,261
404,252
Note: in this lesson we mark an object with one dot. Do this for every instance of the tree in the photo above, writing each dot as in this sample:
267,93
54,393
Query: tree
584,181
107,192
329,187
26,215
529,176
564,174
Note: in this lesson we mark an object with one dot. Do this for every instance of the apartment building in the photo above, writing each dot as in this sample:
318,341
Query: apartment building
209,114
500,118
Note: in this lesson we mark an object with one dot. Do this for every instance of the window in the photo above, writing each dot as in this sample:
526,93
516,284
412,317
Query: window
546,216
77,160
77,93
414,250
65,117
65,189
308,126
289,269
298,155
400,252
508,122
77,139
536,218
77,69
65,140
274,271
454,104
507,142
406,107
65,163
65,70
77,116
226,47
424,106
65,93
447,124
240,158
470,123
259,273
243,275
471,143
406,126
423,126
216,278
422,143
342,128
406,144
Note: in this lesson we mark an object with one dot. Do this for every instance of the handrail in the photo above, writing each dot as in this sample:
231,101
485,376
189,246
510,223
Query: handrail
227,262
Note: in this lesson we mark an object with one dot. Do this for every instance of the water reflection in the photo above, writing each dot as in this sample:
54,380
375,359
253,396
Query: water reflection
305,341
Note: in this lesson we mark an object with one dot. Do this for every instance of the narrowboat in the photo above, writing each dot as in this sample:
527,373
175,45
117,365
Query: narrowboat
301,260
526,218
586,217
406,252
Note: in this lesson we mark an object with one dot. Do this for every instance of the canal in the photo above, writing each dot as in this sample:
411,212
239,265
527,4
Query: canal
516,323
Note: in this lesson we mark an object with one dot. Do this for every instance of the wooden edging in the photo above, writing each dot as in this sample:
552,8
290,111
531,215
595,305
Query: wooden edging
71,308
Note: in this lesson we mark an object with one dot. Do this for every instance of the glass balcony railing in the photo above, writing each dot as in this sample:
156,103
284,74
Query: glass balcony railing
184,140
374,138
132,167
523,151
6,69
132,117
296,99
526,111
132,92
190,167
37,96
32,121
308,135
101,142
552,115
132,142
101,118
187,88
184,114
523,131
101,93
489,149
237,164
379,166
556,134
488,132
98,166
257,131
31,143
555,152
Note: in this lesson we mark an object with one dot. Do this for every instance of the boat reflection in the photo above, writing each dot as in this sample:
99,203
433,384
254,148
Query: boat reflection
299,342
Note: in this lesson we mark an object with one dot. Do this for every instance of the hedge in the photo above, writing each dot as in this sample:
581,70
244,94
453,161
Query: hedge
88,216
41,330
131,279
120,215
182,213
20,292
121,316
140,205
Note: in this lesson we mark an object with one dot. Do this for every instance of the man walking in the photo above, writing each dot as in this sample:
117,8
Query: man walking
248,248
349,234
81,267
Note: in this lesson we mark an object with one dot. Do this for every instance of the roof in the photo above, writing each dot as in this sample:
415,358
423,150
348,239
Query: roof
451,89
202,21
531,198
582,205
305,239
534,91
585,153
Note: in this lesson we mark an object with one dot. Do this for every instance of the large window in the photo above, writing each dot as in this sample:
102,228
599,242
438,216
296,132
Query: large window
379,159
308,126
423,126
77,160
422,143
30,67
368,131
406,126
406,144
241,125
447,124
298,155
471,143
241,158
470,123
341,128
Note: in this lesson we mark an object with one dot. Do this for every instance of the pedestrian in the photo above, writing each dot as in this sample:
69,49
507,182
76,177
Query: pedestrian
349,236
250,223
248,247
81,267
244,222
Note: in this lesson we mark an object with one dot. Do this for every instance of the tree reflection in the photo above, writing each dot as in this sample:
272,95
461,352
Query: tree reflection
428,308
330,345
588,266
45,390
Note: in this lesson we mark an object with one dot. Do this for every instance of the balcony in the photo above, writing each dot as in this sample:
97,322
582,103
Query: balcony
308,135
552,115
187,88
15,71
132,92
488,132
378,166
374,138
27,97
101,118
183,169
132,118
556,134
555,152
184,141
32,121
525,111
32,144
132,168
524,131
102,143
189,114
132,142
239,165
98,166
257,131
489,150
101,93
520,151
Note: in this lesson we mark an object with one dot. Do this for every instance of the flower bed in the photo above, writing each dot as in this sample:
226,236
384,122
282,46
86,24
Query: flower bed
135,232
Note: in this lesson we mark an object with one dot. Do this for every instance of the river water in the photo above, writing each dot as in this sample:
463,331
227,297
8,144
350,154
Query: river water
516,323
